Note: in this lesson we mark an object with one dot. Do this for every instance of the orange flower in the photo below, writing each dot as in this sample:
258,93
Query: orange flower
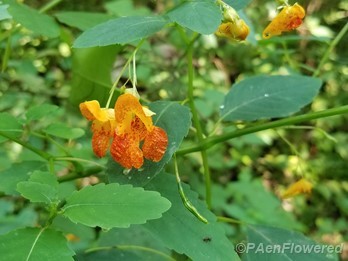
302,186
129,125
134,125
289,18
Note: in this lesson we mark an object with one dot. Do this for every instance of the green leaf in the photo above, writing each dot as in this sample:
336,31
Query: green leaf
201,16
175,119
263,97
136,235
32,19
92,73
37,244
4,13
12,219
120,31
62,131
181,231
16,173
10,125
238,4
41,187
261,237
112,205
40,111
82,20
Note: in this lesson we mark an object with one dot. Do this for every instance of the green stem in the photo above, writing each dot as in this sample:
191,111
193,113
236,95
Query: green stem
26,145
6,54
131,247
187,203
230,220
49,5
77,175
197,123
114,86
211,141
330,49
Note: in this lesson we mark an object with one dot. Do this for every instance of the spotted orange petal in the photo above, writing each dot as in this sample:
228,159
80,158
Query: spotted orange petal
126,108
289,18
155,144
237,30
126,152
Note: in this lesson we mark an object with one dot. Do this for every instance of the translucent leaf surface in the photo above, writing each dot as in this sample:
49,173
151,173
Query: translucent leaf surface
176,121
201,16
37,244
120,31
263,97
113,205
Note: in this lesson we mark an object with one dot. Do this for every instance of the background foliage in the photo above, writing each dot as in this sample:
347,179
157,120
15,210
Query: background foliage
47,71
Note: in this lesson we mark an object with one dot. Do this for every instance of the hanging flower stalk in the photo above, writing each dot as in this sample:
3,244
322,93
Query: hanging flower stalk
129,129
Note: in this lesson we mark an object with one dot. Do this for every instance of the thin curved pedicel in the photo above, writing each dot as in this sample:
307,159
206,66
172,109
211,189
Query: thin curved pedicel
289,18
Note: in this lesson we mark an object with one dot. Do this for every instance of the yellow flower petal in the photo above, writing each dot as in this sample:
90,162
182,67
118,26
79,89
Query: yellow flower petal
91,111
302,186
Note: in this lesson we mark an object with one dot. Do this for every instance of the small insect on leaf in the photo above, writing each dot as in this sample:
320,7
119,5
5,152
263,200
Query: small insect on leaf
289,18
207,239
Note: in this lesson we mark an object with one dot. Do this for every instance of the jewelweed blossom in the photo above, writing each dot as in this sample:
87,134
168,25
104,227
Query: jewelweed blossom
129,125
232,26
302,186
289,18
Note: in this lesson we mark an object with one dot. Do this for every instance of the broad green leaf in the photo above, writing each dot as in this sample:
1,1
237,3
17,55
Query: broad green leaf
120,31
294,246
247,195
181,231
136,235
40,111
82,20
39,244
201,16
9,125
263,97
92,73
32,19
238,4
41,187
11,218
16,173
62,131
126,8
175,119
4,13
81,237
112,205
